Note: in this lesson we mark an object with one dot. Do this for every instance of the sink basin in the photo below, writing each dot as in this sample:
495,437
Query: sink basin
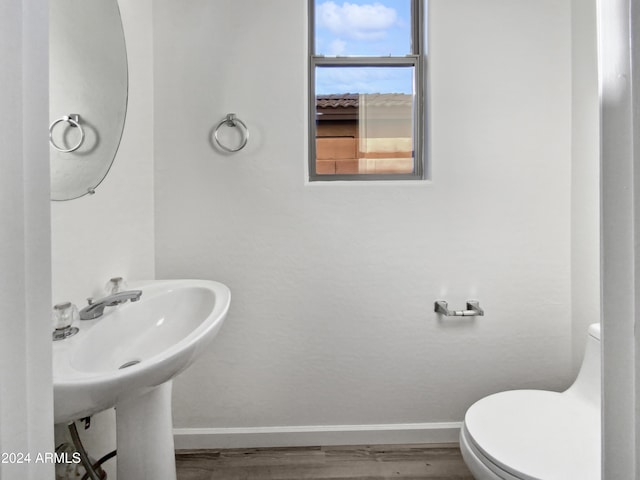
127,358
158,336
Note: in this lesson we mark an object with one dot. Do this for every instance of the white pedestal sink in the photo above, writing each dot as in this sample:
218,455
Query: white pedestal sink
157,337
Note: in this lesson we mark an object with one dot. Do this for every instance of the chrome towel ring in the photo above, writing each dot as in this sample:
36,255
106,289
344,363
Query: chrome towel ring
73,120
232,121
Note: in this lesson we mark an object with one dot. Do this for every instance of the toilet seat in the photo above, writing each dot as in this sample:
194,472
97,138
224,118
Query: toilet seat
507,434
480,466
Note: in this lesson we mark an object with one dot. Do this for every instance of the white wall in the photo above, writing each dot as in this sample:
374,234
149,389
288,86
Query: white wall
585,175
26,400
111,233
333,286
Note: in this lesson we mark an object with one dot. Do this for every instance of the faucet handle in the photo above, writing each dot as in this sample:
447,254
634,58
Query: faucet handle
115,285
65,316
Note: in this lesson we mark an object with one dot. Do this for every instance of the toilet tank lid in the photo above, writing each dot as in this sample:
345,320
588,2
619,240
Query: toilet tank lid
594,330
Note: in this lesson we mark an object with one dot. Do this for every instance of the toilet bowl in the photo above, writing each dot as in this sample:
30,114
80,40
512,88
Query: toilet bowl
536,434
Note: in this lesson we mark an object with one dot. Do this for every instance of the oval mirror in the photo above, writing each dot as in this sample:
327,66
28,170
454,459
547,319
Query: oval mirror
88,93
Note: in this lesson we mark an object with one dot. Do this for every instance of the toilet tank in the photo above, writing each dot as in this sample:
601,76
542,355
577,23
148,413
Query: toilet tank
587,385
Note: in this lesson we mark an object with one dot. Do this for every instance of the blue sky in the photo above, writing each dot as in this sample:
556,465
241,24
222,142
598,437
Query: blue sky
364,80
363,27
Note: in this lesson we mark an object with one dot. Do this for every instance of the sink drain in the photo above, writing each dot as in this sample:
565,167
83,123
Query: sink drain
129,364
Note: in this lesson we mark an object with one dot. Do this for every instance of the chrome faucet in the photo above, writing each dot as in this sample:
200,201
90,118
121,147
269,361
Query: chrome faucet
96,309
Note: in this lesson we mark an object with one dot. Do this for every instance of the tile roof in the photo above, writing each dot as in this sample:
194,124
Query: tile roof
338,100
345,100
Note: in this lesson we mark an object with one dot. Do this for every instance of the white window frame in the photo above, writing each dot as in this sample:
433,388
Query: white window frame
417,60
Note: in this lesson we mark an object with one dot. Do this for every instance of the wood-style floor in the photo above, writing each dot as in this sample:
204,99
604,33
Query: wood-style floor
380,462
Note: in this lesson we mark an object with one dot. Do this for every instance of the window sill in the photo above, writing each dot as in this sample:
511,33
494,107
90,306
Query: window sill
369,183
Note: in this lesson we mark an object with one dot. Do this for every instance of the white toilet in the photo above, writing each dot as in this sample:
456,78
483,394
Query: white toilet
538,435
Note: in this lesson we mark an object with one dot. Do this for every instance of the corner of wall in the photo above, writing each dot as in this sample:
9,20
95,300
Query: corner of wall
585,176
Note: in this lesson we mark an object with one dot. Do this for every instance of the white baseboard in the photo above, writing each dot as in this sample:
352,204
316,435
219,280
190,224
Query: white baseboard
304,436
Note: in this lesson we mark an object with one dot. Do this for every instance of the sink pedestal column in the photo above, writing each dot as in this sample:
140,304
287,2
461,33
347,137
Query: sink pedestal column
144,430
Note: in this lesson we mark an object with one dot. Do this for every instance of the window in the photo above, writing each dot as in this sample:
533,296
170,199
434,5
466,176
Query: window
366,90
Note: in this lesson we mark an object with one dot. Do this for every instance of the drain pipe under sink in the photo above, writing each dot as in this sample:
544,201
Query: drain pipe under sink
86,462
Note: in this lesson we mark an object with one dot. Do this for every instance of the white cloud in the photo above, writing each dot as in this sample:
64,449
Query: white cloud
337,47
363,22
